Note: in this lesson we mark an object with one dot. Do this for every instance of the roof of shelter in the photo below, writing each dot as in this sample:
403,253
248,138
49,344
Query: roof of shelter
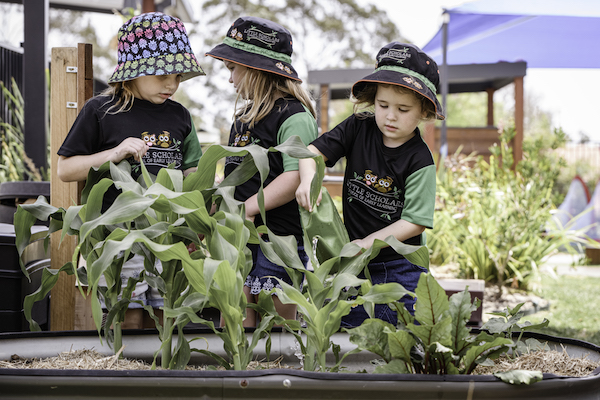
461,78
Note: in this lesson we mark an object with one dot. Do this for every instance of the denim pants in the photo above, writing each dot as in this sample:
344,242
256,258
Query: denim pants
263,273
401,271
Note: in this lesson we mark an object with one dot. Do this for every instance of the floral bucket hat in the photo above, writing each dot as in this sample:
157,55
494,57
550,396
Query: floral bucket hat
260,44
406,65
154,44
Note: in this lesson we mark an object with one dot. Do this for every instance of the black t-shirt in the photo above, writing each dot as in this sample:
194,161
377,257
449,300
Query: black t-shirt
381,184
287,118
169,126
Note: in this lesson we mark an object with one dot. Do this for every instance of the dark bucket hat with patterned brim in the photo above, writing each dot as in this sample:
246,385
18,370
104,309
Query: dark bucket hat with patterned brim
154,44
260,44
408,66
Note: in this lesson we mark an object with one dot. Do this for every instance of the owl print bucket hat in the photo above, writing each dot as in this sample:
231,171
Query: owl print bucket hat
408,66
154,44
260,44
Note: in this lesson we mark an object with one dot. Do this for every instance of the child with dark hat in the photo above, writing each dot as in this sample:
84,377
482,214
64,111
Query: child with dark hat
135,119
274,107
390,176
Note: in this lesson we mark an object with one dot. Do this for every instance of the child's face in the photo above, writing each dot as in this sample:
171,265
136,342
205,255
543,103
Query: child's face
237,72
155,88
397,115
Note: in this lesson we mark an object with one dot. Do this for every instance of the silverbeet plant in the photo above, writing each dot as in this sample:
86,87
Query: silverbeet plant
158,218
437,340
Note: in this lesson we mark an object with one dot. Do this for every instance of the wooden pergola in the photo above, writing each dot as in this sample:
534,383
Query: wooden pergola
336,84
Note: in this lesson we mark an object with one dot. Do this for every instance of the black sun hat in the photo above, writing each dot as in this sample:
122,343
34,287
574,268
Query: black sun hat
154,44
408,66
260,44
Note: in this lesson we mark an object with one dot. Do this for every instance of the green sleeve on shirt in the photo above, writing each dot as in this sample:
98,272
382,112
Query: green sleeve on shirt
301,124
192,151
419,197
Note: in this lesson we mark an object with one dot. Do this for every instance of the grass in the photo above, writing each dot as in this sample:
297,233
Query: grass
574,307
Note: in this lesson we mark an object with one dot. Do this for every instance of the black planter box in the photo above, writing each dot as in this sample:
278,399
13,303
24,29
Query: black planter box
14,286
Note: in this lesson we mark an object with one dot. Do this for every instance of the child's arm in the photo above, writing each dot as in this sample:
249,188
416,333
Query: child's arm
307,169
400,229
75,168
277,193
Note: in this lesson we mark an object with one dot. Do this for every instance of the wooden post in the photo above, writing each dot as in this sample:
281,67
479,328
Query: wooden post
63,110
72,84
517,142
490,106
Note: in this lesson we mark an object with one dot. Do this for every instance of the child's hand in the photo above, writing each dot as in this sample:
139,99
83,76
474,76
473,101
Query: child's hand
303,196
130,147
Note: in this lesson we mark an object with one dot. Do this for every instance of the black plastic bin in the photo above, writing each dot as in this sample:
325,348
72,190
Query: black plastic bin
14,286
14,193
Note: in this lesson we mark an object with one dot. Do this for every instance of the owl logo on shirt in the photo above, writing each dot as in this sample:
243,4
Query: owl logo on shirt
164,139
384,185
149,137
370,178
241,140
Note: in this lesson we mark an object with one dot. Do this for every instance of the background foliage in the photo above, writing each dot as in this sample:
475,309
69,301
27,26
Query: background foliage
495,222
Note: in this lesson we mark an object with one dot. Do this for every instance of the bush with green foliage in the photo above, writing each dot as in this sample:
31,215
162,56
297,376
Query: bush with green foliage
495,221
15,166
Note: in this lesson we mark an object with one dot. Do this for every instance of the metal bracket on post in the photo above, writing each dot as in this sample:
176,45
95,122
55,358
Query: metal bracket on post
72,70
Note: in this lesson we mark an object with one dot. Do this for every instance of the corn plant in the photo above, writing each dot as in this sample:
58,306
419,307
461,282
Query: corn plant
158,218
332,287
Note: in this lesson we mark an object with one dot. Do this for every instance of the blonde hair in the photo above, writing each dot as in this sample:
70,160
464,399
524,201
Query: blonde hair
121,91
365,99
259,90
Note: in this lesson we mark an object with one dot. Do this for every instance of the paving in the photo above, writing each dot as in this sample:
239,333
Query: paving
567,264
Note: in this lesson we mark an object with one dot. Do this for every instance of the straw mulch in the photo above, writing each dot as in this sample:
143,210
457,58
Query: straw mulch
555,362
552,362
91,359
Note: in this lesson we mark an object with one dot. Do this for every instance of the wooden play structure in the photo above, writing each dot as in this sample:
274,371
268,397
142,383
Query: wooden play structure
335,84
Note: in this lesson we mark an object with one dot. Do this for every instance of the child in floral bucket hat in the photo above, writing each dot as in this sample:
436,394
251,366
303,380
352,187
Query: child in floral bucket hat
135,119
275,106
390,177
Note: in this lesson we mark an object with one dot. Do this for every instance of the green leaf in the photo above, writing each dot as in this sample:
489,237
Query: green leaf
48,280
460,309
324,226
432,301
371,336
438,332
127,206
474,352
520,377
393,367
401,344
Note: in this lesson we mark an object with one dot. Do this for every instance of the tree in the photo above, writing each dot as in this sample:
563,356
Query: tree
327,34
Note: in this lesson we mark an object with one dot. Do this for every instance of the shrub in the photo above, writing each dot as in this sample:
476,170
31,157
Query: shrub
495,221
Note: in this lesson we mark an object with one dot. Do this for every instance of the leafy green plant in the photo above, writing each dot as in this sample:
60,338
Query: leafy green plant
437,340
494,221
333,287
158,218
16,166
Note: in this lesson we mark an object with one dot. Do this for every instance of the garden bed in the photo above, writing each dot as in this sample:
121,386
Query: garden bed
260,383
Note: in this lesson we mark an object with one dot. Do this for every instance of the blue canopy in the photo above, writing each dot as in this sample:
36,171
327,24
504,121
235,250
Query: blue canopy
544,33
